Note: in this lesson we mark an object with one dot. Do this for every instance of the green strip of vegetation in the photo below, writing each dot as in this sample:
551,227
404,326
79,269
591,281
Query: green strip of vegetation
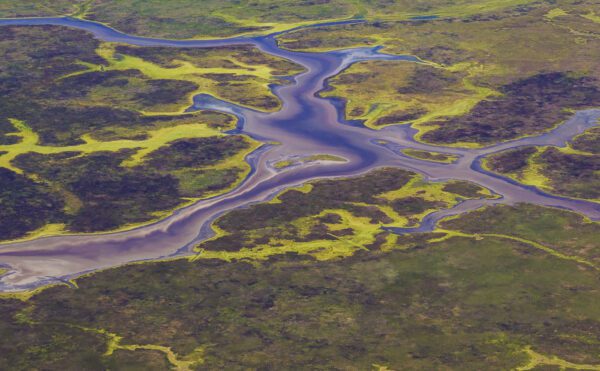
430,156
308,159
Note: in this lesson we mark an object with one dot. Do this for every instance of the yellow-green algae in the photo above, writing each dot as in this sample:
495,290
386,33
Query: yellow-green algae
536,359
319,249
156,138
592,17
430,156
533,173
303,160
479,236
259,76
378,367
114,342
477,52
82,9
379,97
27,294
260,18
181,363
556,12
364,231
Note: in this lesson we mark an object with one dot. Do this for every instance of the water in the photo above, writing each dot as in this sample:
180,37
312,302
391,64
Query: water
305,125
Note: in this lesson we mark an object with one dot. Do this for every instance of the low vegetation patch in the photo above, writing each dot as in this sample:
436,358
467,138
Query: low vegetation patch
464,302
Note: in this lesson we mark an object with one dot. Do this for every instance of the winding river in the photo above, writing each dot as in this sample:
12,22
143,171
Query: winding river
306,124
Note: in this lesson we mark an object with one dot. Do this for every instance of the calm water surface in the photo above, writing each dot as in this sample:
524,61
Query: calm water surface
305,125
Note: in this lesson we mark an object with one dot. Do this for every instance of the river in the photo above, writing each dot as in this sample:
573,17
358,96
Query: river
306,124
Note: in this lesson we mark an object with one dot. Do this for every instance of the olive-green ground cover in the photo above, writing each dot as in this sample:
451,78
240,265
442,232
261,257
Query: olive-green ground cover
571,171
94,136
486,78
91,132
187,19
500,288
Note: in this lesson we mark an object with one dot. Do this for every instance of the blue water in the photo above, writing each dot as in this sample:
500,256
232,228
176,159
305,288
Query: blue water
306,124
424,18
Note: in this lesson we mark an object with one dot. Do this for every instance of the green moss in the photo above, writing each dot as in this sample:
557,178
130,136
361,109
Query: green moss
556,12
233,79
503,287
155,140
420,94
114,344
309,280
308,159
230,17
333,219
565,232
73,105
466,99
36,8
536,359
458,303
567,171
430,156
184,19
26,204
138,360
540,100
114,190
219,167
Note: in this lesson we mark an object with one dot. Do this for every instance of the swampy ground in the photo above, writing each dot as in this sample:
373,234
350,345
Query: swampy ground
96,137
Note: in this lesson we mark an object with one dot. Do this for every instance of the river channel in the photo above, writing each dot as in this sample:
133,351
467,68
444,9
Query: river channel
305,125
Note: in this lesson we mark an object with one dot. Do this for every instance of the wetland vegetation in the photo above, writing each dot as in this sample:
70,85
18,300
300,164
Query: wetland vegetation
473,294
477,85
569,171
96,136
184,19
334,218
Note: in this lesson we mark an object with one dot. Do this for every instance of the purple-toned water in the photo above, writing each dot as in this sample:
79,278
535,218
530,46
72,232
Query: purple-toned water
306,124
